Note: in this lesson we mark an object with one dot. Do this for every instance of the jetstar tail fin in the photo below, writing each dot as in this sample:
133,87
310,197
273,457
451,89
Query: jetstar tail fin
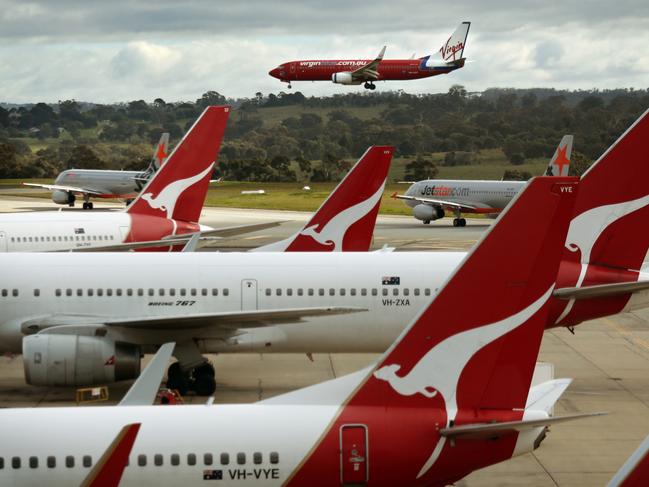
560,162
161,151
179,188
345,221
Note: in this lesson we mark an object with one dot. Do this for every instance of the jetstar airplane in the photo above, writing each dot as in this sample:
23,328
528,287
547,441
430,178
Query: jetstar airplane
104,184
429,199
450,396
77,309
366,72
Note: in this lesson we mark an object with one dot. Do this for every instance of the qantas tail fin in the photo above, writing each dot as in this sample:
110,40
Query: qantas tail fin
452,51
345,221
178,189
606,241
635,471
560,162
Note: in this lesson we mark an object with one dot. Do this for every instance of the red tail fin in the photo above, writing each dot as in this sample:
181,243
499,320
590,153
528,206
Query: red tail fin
177,191
108,471
635,471
345,221
456,363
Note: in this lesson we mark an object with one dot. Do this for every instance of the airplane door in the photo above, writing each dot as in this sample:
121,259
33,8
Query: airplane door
353,455
3,242
248,294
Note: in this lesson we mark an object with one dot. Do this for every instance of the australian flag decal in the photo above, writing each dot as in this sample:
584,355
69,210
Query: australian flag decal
212,474
390,280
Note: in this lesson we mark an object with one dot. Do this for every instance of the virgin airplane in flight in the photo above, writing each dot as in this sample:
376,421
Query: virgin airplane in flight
366,71
450,396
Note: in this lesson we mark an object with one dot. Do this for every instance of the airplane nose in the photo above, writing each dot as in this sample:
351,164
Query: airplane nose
274,72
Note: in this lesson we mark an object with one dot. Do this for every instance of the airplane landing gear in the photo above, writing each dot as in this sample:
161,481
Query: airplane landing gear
71,199
459,222
289,85
192,372
369,85
87,205
426,222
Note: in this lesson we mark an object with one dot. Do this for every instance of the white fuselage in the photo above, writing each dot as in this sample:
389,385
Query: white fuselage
121,184
191,283
483,195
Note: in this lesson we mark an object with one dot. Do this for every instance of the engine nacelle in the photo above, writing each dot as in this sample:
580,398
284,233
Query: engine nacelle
427,212
74,360
344,78
61,197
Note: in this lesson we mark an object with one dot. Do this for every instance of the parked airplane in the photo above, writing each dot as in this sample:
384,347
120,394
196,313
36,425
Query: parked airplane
100,183
429,199
50,304
346,219
635,471
167,209
354,72
406,420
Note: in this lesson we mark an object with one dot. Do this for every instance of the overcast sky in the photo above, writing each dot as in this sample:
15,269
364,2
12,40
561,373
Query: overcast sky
118,50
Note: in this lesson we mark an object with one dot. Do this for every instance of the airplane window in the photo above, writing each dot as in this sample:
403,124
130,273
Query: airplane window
118,292
30,239
60,238
57,292
215,292
175,459
207,459
191,459
172,292
33,462
112,237
15,462
203,292
384,291
375,291
140,292
77,239
48,239
79,292
289,292
300,292
332,292
161,292
157,459
37,292
69,461
311,292
395,291
363,292
321,292
2,463
226,292
183,292
225,459
141,460
94,237
278,291
91,292
193,292
427,292
406,291
241,458
51,462
12,239
352,291
87,461
101,237
68,292
274,457
151,292
100,292
416,291
14,293
42,239
269,291
256,458
4,293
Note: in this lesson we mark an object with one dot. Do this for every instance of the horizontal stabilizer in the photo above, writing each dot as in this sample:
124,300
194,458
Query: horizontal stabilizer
144,390
490,430
544,396
601,290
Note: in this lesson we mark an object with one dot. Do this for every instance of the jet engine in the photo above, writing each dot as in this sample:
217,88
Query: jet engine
427,212
344,78
75,360
62,197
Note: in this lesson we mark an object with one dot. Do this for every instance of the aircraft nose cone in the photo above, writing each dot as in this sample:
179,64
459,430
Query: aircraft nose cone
274,72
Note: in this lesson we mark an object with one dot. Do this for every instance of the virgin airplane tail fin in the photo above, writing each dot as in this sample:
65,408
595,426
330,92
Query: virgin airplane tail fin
345,221
452,51
179,188
605,243
560,162
455,364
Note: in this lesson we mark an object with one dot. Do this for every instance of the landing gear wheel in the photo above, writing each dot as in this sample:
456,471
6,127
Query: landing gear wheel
177,380
367,86
90,206
204,383
85,205
456,222
289,85
71,200
462,222
426,222
372,86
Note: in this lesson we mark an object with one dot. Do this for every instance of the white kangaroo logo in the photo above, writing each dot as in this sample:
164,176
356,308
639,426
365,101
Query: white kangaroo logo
440,369
585,229
167,198
334,230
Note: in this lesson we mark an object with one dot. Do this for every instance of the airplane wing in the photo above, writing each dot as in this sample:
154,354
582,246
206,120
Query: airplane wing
369,72
182,239
72,189
601,290
144,390
493,430
223,323
432,201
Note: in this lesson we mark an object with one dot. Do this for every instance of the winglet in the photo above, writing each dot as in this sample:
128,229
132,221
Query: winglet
381,54
144,389
108,471
192,243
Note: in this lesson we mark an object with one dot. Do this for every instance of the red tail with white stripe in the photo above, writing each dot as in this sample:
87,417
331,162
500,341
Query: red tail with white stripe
177,191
